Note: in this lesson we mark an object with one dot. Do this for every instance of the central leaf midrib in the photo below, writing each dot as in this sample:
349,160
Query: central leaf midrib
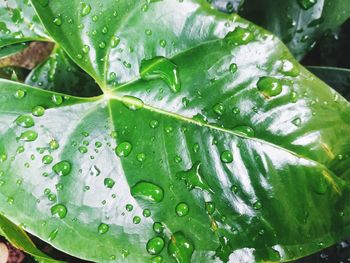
209,126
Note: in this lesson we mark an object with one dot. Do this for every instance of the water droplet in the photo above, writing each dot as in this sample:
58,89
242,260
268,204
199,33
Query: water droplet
180,247
115,42
226,156
47,159
103,228
269,86
141,157
132,102
38,111
161,68
147,191
182,209
102,45
157,259
19,94
28,136
155,245
136,220
193,178
288,68
162,43
57,99
53,144
233,68
62,168
239,36
196,147
83,149
109,182
306,4
129,207
158,227
257,205
123,149
219,109
210,207
59,210
25,121
53,234
244,130
85,9
297,122
146,213
86,49
57,21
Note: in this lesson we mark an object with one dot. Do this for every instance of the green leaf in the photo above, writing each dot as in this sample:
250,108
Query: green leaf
227,6
20,240
337,78
11,50
218,145
299,23
59,73
19,23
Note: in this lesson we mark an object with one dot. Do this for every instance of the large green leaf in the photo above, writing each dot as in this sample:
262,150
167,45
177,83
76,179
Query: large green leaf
299,23
20,240
19,23
59,73
236,151
338,78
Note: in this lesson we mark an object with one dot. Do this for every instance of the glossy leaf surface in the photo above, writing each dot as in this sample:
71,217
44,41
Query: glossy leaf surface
12,49
338,78
299,23
220,147
59,73
19,23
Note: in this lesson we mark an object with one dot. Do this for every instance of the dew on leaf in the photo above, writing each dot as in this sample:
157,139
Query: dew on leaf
239,36
233,68
47,159
136,220
103,228
193,178
158,227
210,207
180,247
219,109
306,4
129,207
147,191
182,209
53,234
19,94
155,245
288,68
57,21
85,9
25,121
146,213
226,156
62,168
53,144
161,68
123,149
297,122
115,42
257,205
244,130
28,136
269,86
132,102
38,111
57,99
140,157
109,182
59,210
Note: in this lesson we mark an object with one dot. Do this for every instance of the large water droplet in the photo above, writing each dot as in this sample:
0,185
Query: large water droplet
38,111
62,168
182,209
147,191
158,227
85,9
47,159
269,86
288,68
226,156
155,245
109,182
103,228
28,136
59,210
161,68
132,102
180,248
239,36
193,178
25,121
123,149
